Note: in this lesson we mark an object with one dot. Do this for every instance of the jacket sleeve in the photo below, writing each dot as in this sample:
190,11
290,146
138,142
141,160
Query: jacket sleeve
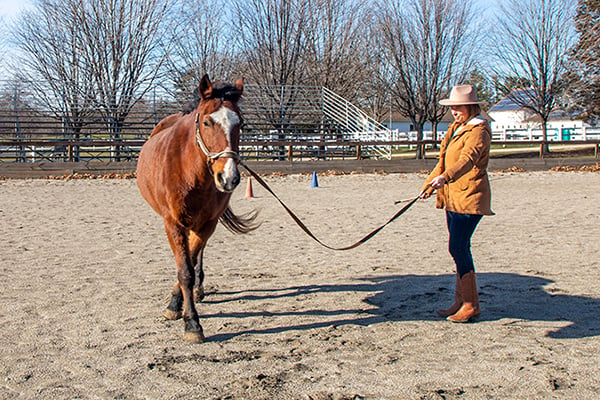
477,142
439,167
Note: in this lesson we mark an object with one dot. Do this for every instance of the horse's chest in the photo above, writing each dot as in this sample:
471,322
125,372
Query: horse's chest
199,206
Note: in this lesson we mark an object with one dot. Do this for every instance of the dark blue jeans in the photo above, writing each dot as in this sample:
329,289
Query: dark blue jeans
460,229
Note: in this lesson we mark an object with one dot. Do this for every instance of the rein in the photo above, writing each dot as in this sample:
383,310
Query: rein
309,233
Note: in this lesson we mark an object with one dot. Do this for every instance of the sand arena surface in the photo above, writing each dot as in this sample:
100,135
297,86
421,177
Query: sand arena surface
86,272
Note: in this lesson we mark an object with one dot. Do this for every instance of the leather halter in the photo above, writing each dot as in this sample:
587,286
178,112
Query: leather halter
212,156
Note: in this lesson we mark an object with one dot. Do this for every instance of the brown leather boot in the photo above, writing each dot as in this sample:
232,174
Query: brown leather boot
457,301
470,306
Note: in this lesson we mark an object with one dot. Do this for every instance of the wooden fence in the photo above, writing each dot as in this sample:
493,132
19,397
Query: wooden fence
106,150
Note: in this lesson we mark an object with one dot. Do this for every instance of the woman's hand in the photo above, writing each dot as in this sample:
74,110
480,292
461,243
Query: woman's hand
437,182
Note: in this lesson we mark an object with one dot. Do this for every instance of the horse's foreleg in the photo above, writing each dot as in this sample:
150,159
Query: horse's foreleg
178,239
174,309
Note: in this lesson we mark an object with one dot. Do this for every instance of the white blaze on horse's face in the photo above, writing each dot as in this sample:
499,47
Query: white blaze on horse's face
229,178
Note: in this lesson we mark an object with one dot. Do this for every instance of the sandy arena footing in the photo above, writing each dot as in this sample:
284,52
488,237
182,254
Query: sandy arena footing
86,273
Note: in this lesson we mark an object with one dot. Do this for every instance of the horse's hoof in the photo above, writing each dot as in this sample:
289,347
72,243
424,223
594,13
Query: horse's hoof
173,315
199,294
193,336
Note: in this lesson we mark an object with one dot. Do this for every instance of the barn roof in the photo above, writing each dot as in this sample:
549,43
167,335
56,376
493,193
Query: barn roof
515,100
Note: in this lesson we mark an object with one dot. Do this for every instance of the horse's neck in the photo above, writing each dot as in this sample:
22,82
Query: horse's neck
183,143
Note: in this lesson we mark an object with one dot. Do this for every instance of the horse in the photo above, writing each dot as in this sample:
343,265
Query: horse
187,171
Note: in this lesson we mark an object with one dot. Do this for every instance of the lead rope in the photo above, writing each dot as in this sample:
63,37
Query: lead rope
309,233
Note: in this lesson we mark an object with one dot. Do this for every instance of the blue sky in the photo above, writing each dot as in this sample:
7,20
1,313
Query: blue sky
9,8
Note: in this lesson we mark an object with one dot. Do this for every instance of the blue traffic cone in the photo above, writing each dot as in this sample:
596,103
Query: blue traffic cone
314,183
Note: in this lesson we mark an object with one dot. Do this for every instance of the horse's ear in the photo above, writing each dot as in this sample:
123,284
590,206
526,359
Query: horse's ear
205,89
239,84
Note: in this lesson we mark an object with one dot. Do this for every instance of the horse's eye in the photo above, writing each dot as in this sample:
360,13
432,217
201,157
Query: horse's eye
206,123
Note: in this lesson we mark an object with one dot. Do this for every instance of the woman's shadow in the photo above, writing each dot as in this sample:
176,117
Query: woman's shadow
502,295
416,297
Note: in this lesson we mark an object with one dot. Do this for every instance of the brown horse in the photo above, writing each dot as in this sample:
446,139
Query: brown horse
186,172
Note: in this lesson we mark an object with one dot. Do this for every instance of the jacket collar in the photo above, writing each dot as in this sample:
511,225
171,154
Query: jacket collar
477,120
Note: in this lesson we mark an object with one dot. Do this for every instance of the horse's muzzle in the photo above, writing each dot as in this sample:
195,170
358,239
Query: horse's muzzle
228,178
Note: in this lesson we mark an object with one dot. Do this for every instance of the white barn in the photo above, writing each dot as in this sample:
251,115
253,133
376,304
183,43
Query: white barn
510,117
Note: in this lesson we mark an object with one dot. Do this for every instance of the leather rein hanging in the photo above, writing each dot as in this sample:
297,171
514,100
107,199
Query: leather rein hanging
309,233
211,157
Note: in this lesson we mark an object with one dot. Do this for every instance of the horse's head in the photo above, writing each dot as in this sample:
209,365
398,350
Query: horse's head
218,121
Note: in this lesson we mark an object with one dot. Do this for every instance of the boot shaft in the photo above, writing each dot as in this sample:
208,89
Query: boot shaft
470,297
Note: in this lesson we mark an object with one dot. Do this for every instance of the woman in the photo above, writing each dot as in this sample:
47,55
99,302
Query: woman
463,189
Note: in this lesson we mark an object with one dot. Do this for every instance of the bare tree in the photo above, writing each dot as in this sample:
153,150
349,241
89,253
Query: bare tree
121,51
200,44
337,44
377,92
84,56
533,38
272,39
49,60
3,35
429,44
272,42
457,35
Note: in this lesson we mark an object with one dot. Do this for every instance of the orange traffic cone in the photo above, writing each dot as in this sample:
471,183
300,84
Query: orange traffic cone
249,192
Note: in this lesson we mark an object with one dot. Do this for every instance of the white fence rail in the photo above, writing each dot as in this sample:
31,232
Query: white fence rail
553,135
506,135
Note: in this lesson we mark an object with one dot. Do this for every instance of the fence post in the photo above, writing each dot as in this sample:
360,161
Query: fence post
542,150
21,154
358,152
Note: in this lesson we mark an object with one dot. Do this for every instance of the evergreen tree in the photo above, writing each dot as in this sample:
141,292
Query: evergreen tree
584,77
484,87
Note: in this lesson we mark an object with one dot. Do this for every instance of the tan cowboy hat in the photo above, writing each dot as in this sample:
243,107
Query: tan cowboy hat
462,95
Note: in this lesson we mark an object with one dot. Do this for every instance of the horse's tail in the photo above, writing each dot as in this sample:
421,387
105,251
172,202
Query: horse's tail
239,224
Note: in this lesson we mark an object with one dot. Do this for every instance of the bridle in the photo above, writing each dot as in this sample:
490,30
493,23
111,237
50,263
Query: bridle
212,156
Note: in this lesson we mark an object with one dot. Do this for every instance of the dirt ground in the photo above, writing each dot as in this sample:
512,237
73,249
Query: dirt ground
86,273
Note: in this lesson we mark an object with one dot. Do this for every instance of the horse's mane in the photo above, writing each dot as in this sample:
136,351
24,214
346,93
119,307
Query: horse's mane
220,90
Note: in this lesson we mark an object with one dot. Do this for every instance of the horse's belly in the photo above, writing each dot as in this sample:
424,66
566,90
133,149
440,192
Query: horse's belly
147,173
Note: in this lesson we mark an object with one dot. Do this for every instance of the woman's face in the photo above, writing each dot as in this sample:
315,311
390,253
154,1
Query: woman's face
460,113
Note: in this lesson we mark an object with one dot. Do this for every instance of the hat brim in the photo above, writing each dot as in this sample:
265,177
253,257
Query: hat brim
448,102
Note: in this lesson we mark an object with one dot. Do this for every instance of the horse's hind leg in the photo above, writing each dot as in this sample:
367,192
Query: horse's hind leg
178,239
197,249
198,284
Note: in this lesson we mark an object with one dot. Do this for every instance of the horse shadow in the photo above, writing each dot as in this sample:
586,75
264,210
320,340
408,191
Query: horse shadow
416,297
